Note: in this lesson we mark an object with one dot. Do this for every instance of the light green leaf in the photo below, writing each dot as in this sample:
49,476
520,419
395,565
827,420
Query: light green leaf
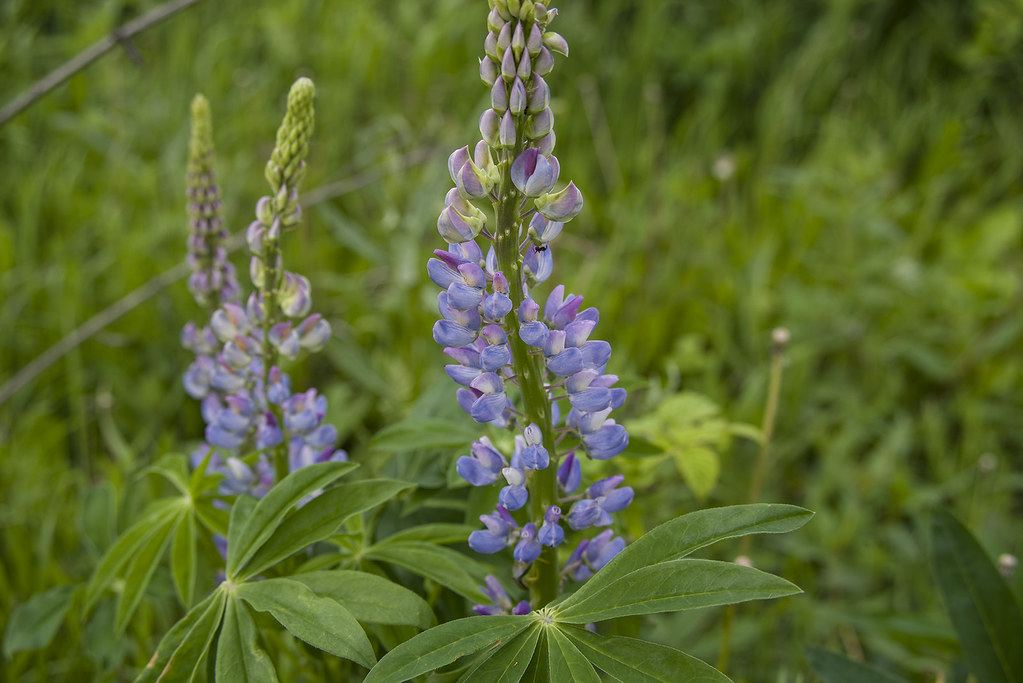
126,547
439,533
983,610
239,657
447,567
241,513
833,667
686,534
509,662
268,512
371,599
33,624
140,570
174,468
192,647
676,585
321,622
422,433
700,467
566,662
444,644
639,661
215,520
183,558
321,517
173,638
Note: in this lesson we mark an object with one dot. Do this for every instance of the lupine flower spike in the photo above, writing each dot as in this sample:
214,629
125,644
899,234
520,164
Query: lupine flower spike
247,399
529,368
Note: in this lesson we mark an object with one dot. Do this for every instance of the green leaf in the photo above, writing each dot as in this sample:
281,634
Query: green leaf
268,512
700,467
983,609
371,599
183,558
321,517
639,661
509,662
438,533
422,433
676,585
33,624
444,644
174,468
319,621
215,520
140,570
445,566
126,547
99,515
686,534
181,653
565,661
833,667
239,657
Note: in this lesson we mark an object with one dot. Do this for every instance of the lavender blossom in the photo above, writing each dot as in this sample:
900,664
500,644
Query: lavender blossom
520,365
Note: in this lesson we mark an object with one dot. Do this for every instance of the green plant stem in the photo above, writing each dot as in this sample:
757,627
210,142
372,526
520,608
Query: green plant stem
271,249
767,429
543,581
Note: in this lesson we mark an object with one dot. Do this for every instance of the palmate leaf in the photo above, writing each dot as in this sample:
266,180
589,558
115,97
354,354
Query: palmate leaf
674,586
183,558
983,610
239,657
34,623
686,534
508,663
263,519
447,567
371,599
319,621
638,661
319,518
565,661
141,567
833,667
444,644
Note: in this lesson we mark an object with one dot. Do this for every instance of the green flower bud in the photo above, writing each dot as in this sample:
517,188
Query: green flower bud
287,162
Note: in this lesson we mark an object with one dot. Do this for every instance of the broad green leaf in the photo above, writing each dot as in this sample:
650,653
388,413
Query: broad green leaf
639,661
833,667
268,512
174,468
127,546
445,566
686,534
215,520
321,622
509,662
241,512
565,661
676,585
239,657
183,558
421,433
186,661
371,599
539,670
321,517
983,609
435,533
33,624
172,639
444,644
140,570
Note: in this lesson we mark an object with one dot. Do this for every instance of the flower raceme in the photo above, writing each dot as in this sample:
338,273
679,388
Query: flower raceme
247,399
530,368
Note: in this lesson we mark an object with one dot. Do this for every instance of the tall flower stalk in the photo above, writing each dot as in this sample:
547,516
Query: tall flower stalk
527,368
257,430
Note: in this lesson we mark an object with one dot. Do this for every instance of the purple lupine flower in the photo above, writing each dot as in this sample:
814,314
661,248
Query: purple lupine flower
551,534
495,537
501,602
593,555
515,495
484,466
528,548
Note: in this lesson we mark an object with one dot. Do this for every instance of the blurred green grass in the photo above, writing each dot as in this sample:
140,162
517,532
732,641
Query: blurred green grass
850,170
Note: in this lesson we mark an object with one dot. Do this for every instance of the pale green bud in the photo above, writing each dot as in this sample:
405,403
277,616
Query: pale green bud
287,162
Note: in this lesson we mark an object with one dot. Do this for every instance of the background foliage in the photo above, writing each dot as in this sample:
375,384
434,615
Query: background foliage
848,170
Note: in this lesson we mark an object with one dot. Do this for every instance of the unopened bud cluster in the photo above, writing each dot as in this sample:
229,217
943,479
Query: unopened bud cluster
212,280
247,400
499,337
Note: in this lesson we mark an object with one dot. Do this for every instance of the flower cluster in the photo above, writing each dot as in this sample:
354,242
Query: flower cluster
212,281
521,366
247,400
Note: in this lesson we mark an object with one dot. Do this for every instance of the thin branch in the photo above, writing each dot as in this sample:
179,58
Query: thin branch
120,35
165,279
